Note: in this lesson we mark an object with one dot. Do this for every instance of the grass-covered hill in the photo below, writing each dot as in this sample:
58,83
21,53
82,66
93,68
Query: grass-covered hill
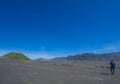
16,56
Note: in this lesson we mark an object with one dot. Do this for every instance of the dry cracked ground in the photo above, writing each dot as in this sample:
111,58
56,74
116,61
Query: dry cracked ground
84,72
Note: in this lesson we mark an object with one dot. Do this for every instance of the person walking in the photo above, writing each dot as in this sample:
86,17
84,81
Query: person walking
112,67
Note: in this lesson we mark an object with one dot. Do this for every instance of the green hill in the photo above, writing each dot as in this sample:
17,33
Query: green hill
16,56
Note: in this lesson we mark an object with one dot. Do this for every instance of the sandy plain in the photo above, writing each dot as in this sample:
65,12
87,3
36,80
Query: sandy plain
52,72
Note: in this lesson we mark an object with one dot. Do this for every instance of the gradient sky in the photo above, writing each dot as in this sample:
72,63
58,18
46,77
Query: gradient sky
53,28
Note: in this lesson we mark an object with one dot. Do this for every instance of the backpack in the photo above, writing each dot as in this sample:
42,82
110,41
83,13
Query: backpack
112,64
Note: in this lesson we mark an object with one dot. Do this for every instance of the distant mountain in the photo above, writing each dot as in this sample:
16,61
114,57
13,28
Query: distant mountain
59,59
41,59
90,56
16,56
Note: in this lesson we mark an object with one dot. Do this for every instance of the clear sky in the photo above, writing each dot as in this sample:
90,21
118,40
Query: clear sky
53,28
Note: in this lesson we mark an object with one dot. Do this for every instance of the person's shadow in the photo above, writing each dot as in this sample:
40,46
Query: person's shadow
105,73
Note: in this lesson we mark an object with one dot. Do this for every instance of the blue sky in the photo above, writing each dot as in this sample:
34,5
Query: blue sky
53,28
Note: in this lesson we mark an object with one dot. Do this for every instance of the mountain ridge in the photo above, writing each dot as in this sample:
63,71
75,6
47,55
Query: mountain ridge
90,56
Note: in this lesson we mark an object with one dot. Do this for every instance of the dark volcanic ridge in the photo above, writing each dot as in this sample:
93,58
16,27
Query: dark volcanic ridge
90,56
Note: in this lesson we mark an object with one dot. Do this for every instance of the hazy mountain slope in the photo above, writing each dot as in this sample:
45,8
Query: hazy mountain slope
91,56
